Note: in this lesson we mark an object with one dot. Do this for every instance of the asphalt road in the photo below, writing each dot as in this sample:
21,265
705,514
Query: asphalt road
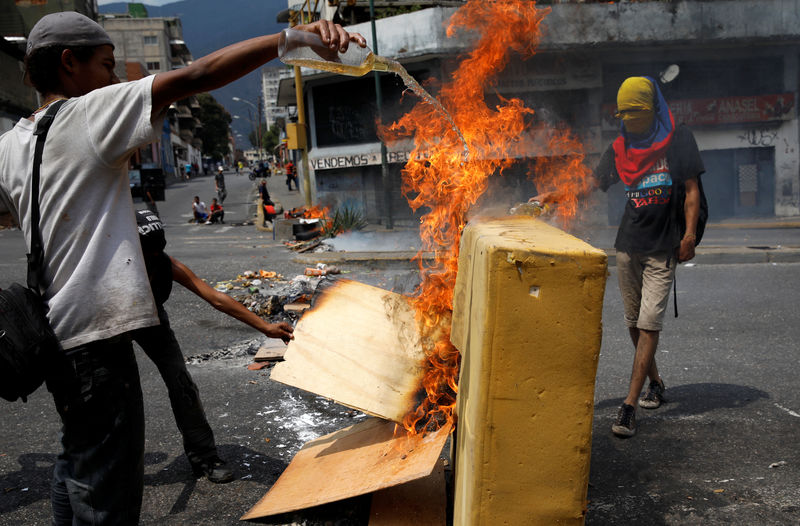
729,362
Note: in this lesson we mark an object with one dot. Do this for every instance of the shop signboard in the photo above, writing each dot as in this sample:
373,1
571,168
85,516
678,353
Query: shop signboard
722,110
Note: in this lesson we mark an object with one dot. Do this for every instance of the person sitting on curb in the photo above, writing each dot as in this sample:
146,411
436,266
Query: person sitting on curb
160,345
267,206
217,212
199,210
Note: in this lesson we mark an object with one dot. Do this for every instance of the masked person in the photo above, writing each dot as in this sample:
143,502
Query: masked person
95,285
650,157
161,346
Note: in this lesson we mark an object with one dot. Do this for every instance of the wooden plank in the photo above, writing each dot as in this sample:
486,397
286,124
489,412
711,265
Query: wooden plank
297,306
422,502
272,351
359,346
354,461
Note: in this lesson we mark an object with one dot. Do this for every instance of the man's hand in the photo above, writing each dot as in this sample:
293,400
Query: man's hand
280,330
686,250
333,35
544,197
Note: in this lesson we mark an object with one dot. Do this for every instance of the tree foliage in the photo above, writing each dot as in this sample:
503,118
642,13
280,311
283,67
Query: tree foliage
216,121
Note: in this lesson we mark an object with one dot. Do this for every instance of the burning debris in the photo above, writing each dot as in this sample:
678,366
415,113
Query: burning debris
438,178
404,367
317,223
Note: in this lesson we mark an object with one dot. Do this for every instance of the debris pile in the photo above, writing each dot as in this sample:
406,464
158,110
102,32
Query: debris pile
265,293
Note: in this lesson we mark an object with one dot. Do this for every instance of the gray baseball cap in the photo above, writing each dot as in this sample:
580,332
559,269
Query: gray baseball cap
67,28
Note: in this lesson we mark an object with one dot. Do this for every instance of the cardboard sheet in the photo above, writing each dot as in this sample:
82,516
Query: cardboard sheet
354,461
422,502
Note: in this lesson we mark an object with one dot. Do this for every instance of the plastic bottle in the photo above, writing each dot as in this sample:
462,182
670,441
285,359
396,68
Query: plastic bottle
302,48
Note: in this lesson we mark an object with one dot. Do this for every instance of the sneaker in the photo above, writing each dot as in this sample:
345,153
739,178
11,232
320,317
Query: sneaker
214,469
625,426
654,396
208,222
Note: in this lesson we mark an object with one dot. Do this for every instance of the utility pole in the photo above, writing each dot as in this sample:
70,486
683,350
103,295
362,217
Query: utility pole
301,125
385,177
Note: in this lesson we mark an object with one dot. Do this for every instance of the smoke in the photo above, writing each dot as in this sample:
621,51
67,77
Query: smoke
376,242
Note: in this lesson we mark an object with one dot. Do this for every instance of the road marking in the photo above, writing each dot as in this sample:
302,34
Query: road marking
787,410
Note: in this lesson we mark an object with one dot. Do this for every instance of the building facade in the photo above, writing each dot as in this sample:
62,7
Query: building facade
737,89
155,45
16,20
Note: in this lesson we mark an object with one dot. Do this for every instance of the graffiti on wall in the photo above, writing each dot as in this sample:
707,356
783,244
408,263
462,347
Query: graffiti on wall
759,137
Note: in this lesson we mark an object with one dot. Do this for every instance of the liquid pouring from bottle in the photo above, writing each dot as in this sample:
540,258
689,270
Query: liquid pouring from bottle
306,49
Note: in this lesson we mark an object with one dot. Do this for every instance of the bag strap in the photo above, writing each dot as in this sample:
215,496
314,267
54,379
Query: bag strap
36,256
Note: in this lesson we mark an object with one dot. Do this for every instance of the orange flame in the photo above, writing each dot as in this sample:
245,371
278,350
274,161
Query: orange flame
438,178
316,212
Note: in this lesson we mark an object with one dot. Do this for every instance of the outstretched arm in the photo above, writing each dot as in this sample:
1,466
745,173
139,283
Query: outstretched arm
691,210
222,302
235,61
558,195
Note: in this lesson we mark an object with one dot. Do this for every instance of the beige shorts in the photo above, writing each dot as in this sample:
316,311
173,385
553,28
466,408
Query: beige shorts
644,281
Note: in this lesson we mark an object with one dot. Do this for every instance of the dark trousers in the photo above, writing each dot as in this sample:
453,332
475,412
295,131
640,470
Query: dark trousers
292,178
99,475
217,217
160,345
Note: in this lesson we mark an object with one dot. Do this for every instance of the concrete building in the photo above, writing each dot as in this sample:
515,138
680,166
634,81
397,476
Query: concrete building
270,82
737,90
157,45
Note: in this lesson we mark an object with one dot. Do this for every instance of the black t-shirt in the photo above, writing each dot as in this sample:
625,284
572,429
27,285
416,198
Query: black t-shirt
649,223
157,262
159,272
220,178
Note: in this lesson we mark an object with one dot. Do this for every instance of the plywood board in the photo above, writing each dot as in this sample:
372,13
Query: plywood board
354,461
359,346
421,502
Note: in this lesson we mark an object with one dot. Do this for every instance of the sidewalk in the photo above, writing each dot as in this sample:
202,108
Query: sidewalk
773,240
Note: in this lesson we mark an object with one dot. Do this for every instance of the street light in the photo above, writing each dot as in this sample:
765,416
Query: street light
258,111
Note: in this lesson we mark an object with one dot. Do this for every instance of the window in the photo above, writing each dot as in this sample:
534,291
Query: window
152,66
150,39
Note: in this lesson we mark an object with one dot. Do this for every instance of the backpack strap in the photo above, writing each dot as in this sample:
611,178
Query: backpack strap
36,256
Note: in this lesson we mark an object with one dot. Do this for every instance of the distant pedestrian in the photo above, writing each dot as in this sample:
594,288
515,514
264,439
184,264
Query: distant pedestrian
161,346
291,176
219,185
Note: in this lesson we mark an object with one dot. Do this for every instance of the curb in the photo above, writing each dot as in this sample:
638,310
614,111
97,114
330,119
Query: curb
704,256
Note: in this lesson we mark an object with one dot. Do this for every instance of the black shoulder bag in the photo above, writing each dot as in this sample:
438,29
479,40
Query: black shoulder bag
27,342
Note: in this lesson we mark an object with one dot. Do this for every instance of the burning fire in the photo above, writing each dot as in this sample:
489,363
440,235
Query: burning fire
316,212
437,178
